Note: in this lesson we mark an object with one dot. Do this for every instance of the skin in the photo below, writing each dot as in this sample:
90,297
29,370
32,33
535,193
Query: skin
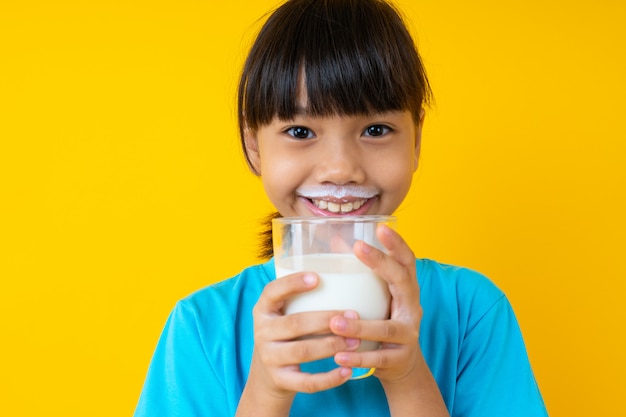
337,152
378,151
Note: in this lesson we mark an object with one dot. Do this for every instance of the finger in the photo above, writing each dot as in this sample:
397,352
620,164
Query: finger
339,245
397,267
276,292
396,245
293,326
385,266
308,349
310,383
380,359
385,331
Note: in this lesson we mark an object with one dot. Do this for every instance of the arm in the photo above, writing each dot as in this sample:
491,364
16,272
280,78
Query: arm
409,385
416,395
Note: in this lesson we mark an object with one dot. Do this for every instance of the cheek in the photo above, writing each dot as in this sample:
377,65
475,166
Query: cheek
395,171
280,176
394,177
400,179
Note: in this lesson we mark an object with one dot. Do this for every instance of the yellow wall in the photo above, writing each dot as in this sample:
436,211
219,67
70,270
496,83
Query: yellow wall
123,188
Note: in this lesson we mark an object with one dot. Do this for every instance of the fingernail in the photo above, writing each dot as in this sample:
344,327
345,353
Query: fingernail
385,229
309,279
352,342
345,372
341,358
365,248
349,314
340,324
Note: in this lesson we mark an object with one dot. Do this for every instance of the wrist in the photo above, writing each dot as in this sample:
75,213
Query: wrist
258,399
415,393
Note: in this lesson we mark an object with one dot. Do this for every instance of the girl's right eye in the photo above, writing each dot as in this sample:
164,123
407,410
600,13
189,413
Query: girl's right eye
300,132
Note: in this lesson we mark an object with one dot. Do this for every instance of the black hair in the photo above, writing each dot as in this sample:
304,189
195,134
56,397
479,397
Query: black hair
356,57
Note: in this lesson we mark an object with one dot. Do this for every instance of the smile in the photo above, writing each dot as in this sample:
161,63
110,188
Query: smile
338,200
338,207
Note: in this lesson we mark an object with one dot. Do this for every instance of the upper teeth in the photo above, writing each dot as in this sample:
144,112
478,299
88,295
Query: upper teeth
338,207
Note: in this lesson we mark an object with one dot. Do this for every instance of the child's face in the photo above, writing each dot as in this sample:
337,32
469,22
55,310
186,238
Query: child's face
337,165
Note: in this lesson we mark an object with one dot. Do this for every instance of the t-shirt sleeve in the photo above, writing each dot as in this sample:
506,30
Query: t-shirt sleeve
180,379
494,374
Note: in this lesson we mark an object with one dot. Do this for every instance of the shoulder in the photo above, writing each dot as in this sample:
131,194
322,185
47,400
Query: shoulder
485,368
219,317
246,286
463,292
206,338
225,306
464,282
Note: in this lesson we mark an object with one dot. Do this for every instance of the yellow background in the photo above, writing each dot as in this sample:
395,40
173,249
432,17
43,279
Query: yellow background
123,188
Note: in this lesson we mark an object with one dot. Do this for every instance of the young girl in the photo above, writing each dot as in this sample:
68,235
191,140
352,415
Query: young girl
330,111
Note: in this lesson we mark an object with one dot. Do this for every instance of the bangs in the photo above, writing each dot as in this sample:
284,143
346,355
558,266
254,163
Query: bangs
352,57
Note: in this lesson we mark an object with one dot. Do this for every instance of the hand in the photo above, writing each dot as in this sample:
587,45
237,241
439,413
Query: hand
400,354
281,343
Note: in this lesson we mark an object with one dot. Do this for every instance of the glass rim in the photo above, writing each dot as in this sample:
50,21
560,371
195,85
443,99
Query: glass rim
368,218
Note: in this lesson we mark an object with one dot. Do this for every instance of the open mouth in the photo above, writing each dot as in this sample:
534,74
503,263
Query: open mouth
346,207
328,207
338,200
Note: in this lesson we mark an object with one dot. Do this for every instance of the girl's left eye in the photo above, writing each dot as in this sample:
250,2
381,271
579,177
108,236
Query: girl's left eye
376,130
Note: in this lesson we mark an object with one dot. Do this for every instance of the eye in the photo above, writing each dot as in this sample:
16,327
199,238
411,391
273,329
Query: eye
376,130
300,132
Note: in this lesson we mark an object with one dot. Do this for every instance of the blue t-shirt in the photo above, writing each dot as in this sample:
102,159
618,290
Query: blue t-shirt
469,337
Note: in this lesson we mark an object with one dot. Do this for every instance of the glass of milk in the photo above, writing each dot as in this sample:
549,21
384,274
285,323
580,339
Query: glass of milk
325,245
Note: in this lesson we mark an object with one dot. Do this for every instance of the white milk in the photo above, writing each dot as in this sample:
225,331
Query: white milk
345,284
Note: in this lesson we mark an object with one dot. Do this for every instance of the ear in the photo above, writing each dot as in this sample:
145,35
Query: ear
418,139
251,145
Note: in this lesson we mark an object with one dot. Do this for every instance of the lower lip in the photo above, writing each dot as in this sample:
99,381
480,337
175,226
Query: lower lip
316,211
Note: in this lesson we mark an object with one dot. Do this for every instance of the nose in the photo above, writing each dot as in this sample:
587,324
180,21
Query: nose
339,162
